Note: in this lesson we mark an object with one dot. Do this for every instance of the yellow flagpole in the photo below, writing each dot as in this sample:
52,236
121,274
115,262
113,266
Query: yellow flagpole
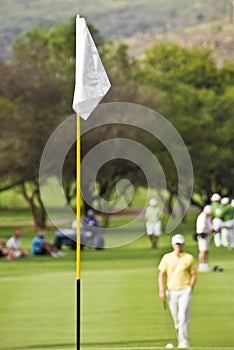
78,228
78,195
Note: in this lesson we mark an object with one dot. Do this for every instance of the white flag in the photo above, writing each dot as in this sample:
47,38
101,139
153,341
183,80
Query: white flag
92,82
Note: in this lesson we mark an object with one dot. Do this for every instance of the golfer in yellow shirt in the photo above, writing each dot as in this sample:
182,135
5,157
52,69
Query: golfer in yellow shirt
178,270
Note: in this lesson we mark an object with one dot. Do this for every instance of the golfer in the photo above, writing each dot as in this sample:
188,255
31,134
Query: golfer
153,218
178,269
204,229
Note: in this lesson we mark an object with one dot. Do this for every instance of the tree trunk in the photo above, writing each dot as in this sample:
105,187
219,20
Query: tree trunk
168,203
105,219
34,200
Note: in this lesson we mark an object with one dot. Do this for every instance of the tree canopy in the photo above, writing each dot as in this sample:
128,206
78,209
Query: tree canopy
183,84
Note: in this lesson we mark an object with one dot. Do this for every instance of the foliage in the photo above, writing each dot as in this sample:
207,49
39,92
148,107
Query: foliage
183,84
200,106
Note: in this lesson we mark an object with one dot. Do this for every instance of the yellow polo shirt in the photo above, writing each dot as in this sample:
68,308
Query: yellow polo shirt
179,269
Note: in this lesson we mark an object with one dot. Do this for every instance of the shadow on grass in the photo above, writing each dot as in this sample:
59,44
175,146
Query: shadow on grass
126,343
43,346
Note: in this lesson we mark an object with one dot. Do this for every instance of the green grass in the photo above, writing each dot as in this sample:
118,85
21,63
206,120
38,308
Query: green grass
120,304
121,307
119,298
12,199
38,301
15,216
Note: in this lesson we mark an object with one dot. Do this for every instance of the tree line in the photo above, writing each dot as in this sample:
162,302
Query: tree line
183,84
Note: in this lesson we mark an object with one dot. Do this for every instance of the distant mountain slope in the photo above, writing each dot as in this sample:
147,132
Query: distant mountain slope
217,35
114,19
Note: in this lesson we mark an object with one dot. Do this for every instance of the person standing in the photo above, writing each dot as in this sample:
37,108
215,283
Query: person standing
217,218
232,235
227,224
177,271
204,229
153,218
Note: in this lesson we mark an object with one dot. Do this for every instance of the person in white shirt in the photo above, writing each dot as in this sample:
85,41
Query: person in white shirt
204,229
14,244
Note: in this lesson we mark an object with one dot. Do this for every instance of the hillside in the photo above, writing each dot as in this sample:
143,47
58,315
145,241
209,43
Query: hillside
217,35
114,19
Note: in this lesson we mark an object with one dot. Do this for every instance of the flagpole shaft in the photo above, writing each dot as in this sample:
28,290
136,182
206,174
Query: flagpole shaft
78,227
78,196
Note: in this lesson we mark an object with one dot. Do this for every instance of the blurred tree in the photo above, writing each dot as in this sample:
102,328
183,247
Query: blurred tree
28,120
182,84
197,101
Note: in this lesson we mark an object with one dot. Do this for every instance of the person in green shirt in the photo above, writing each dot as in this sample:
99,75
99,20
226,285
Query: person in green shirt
232,237
227,223
216,207
153,218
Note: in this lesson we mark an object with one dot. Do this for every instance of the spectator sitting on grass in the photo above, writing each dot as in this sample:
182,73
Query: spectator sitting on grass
14,244
40,246
5,252
90,218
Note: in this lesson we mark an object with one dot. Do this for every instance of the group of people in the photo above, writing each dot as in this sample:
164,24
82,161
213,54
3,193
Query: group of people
216,219
223,220
12,248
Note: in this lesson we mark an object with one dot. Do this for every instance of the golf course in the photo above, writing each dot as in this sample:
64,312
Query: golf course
120,306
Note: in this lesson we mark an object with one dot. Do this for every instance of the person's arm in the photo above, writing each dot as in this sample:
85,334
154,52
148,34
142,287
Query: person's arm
161,284
193,279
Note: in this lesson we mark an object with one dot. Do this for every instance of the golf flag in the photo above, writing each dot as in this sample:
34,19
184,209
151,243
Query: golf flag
92,82
91,86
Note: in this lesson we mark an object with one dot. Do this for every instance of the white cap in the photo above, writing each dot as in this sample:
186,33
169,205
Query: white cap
177,239
215,197
225,200
232,203
153,202
207,209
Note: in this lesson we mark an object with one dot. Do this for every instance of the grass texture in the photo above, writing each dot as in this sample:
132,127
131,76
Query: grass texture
120,306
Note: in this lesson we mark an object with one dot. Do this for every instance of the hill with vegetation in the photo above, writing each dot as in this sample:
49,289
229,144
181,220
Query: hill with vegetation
217,35
114,20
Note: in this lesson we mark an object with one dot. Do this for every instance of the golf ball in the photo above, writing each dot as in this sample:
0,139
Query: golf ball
169,346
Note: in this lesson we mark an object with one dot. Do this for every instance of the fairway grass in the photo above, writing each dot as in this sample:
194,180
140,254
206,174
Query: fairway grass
38,303
160,348
120,306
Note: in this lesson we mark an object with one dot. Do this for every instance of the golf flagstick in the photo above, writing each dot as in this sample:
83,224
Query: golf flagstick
91,85
78,314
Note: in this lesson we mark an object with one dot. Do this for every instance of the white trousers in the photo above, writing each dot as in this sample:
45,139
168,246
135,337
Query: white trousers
224,237
179,302
154,228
